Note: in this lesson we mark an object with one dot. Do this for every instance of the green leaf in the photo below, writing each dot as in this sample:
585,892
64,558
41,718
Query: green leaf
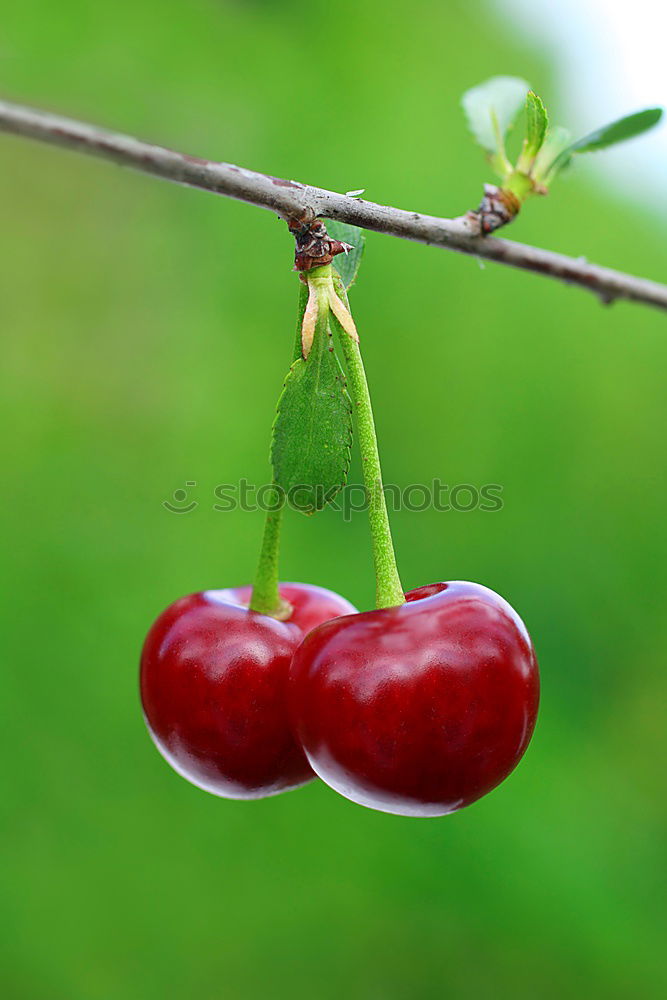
347,264
608,135
618,131
312,432
536,124
491,109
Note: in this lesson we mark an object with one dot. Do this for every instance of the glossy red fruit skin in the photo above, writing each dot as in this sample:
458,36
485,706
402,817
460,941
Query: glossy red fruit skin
213,682
417,710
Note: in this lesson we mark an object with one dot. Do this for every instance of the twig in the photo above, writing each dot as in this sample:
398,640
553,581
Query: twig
290,199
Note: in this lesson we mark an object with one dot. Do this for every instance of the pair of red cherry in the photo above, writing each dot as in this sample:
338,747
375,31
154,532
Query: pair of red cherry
418,709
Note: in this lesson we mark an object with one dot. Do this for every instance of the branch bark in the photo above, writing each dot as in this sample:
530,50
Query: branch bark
291,199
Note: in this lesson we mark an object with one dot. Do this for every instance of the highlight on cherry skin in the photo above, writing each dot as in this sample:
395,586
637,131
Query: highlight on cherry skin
213,681
420,709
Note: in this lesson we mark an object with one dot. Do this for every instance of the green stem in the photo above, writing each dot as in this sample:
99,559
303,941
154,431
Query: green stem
265,594
389,592
519,184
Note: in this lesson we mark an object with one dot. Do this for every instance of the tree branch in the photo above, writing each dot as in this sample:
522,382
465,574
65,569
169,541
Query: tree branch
289,199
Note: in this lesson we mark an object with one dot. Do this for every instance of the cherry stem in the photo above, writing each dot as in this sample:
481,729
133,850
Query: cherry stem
389,592
265,594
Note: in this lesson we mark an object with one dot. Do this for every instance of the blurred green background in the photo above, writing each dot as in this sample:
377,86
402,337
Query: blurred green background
140,353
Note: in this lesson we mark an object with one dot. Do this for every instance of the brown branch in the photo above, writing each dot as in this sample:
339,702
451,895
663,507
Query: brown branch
290,199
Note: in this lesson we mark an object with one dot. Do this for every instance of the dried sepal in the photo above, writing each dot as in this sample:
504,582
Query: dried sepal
309,321
343,315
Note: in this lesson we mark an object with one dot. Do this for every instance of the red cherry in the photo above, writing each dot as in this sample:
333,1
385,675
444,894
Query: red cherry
420,709
213,688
